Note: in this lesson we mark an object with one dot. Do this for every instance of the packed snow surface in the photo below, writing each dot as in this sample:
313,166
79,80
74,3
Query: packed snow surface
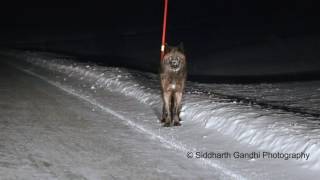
206,113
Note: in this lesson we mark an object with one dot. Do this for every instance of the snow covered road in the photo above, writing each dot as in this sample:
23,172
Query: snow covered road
94,130
47,133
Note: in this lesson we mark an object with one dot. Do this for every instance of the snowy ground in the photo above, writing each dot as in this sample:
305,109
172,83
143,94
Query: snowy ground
299,97
66,120
47,133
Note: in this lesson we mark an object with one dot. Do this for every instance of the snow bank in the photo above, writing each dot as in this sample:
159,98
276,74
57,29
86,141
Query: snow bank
271,130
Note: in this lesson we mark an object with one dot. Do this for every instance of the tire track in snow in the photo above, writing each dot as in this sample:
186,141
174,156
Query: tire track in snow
263,104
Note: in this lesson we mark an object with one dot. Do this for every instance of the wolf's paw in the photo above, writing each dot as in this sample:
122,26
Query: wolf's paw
167,124
176,123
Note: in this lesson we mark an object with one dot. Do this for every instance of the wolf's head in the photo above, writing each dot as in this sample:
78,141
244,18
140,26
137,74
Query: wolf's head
174,57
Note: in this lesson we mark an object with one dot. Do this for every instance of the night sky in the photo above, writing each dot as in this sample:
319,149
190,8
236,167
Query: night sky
215,33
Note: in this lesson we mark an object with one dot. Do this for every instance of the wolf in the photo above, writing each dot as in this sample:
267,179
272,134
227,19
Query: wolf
173,74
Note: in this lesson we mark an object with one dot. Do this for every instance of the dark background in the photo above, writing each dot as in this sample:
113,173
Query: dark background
225,40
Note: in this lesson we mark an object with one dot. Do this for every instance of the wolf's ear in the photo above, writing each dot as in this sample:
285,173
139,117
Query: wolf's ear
181,47
167,48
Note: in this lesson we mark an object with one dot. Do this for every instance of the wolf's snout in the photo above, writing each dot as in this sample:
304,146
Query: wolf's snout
174,63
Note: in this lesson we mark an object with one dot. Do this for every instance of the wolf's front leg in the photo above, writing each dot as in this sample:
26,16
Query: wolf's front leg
177,108
167,105
164,114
